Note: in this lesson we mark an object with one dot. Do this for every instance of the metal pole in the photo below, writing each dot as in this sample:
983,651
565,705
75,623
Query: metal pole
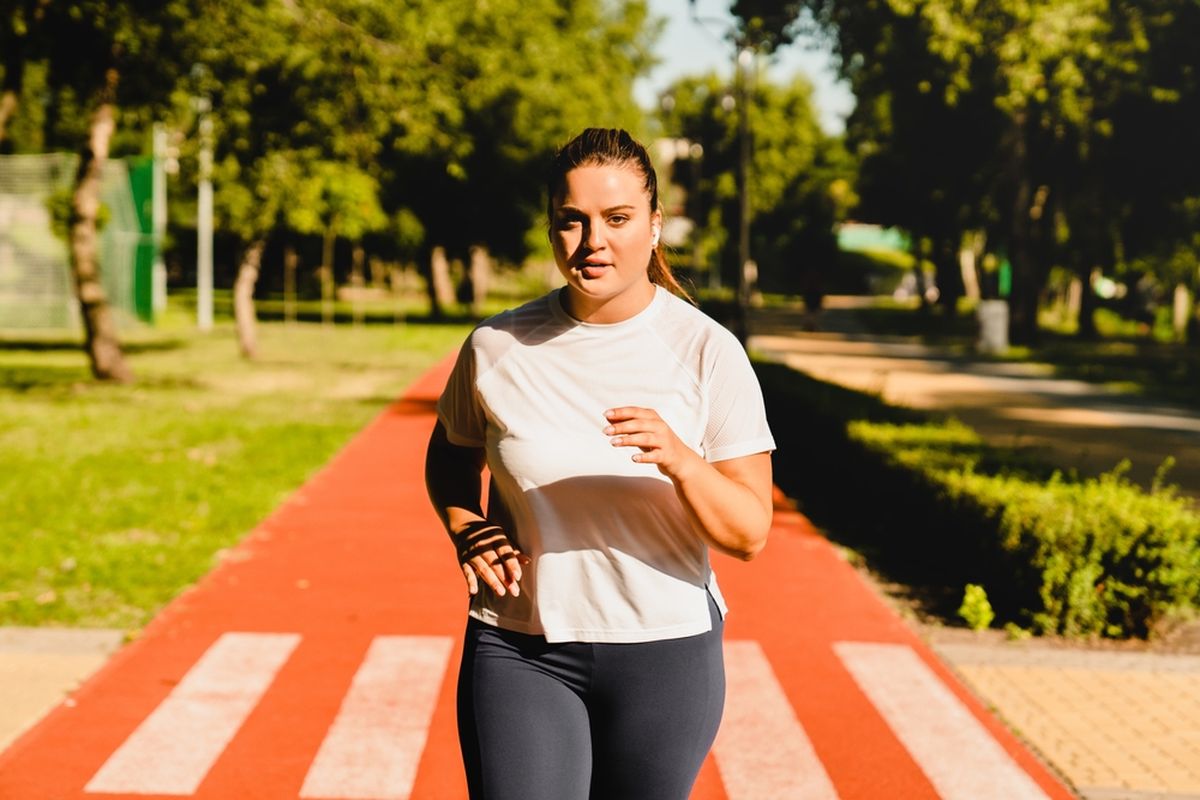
158,218
204,228
745,59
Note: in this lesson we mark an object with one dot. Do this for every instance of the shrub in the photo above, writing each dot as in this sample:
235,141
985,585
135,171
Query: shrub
1079,557
1097,556
975,610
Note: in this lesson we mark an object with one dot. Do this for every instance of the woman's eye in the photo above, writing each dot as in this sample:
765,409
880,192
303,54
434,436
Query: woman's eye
566,224
618,219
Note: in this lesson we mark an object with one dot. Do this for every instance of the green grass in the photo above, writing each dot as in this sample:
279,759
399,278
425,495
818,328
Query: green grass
115,498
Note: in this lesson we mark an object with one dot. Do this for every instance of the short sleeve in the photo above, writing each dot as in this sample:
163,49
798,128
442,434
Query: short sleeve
459,408
737,417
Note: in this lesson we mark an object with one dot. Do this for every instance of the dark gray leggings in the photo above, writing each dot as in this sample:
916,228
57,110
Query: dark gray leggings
580,721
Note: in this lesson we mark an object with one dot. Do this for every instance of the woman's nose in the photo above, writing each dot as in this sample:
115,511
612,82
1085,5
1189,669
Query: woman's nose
593,237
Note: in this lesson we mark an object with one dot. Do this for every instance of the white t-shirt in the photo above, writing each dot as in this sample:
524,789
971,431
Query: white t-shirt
614,556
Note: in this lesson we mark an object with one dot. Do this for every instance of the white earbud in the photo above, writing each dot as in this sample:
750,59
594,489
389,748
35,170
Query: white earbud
654,238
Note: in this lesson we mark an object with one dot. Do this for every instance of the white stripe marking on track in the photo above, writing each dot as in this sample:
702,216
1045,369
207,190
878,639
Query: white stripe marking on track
175,747
951,746
762,751
372,750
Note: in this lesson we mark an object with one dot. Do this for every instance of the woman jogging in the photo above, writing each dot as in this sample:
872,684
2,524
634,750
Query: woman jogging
625,435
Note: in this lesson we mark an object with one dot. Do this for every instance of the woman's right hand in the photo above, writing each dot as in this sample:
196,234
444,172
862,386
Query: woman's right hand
484,552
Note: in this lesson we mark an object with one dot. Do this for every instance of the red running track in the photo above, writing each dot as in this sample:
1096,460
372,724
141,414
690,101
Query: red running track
319,659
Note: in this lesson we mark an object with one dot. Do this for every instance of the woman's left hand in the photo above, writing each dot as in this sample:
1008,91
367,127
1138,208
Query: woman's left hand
643,428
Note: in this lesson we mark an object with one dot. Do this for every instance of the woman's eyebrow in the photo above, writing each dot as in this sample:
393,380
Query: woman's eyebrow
569,209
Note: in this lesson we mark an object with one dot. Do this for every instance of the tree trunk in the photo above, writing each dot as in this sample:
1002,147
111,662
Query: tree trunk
103,347
441,288
949,274
8,108
1086,327
1023,300
1074,301
1181,311
326,274
480,272
10,91
290,262
922,288
425,270
357,281
398,285
243,298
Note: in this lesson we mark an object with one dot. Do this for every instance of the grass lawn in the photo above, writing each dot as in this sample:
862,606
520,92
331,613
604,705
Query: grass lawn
115,498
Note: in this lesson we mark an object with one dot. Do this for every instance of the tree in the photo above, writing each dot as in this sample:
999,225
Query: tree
109,54
450,107
335,200
526,76
1060,95
793,168
21,32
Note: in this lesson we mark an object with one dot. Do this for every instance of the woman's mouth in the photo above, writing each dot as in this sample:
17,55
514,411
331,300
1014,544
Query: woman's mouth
592,269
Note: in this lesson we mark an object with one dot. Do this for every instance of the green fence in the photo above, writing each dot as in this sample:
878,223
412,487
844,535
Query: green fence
36,286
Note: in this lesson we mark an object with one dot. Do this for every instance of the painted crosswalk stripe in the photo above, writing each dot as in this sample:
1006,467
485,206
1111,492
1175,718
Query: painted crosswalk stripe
374,745
174,748
952,748
762,751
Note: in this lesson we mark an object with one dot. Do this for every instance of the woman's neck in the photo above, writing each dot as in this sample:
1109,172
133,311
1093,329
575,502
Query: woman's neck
608,310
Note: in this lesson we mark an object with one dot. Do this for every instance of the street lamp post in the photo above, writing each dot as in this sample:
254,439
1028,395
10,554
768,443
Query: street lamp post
745,284
744,55
204,223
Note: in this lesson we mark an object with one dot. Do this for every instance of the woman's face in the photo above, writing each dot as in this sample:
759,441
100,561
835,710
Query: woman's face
604,233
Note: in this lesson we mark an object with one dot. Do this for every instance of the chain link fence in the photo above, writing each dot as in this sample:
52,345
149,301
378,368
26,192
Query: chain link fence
36,287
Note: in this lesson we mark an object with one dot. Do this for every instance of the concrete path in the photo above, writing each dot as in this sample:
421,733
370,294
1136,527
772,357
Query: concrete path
39,667
1119,724
1073,423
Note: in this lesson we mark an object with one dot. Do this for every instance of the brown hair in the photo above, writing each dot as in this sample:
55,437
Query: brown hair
613,147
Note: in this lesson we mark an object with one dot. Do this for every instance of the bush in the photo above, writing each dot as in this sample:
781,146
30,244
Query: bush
975,610
1109,558
1079,557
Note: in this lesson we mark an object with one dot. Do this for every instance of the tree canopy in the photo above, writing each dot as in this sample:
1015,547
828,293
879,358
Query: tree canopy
436,115
795,171
1055,126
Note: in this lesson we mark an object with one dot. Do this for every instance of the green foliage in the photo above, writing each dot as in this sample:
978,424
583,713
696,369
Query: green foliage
1015,632
1020,119
799,177
61,207
1102,555
439,114
1078,557
975,610
1113,560
333,197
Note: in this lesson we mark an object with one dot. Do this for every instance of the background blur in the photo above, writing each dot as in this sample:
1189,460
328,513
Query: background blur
271,214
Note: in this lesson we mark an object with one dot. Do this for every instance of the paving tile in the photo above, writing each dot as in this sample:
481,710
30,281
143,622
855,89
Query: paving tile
1111,722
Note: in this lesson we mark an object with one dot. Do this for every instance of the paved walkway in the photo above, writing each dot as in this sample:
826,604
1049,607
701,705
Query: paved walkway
1119,724
319,660
1074,423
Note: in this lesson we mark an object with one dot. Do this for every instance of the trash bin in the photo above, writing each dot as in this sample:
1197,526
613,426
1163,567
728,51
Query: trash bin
993,326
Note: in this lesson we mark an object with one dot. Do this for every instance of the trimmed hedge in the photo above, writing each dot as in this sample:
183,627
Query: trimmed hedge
1057,554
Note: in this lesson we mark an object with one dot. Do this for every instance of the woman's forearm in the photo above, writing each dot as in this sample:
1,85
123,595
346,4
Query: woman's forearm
452,479
729,502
